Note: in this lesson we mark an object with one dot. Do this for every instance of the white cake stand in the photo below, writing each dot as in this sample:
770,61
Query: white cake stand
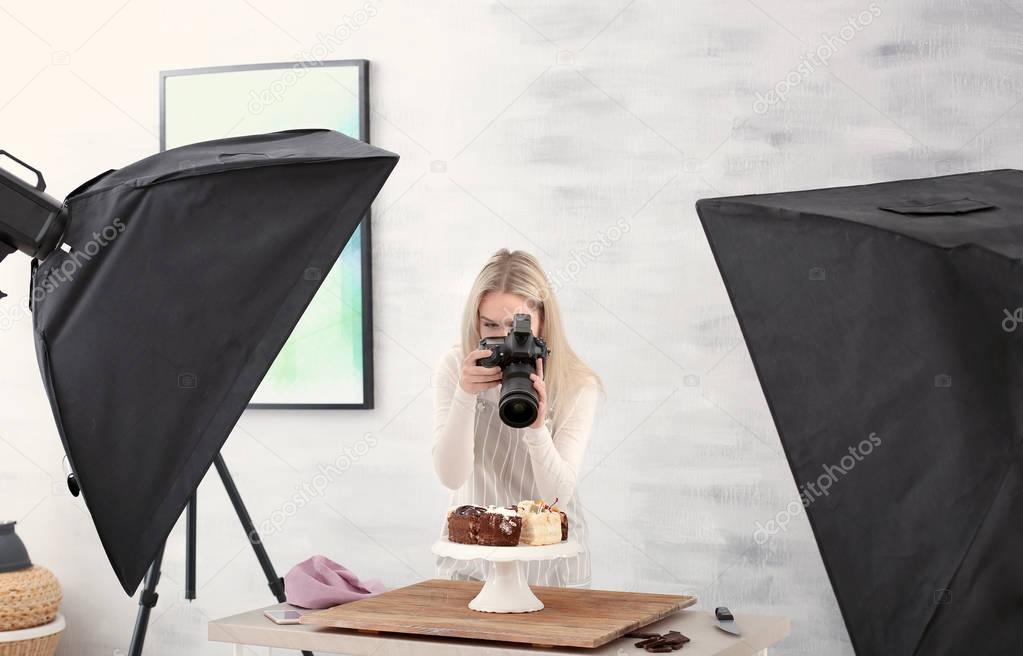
506,589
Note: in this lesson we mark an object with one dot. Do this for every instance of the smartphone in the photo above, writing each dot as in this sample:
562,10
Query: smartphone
283,616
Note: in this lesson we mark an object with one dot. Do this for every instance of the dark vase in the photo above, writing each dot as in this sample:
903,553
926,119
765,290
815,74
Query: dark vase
13,555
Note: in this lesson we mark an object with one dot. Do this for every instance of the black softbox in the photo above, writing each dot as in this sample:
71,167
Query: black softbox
187,272
885,326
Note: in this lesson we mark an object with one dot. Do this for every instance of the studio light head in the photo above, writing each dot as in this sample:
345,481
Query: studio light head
161,294
31,221
875,317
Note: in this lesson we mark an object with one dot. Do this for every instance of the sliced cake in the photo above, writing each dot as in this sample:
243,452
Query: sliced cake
500,526
540,524
464,523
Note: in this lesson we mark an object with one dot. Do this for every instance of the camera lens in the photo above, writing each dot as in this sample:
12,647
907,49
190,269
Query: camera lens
518,412
519,404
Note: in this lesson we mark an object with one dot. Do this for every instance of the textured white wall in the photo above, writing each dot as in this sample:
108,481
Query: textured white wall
534,125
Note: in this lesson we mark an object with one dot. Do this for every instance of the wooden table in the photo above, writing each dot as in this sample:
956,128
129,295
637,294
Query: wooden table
254,629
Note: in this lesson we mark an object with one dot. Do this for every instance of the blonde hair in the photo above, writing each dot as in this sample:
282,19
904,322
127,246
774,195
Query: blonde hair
518,272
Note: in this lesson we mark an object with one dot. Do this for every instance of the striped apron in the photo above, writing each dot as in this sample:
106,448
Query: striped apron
502,475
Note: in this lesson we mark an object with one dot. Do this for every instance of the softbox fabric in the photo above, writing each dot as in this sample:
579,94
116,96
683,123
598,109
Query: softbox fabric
885,327
188,270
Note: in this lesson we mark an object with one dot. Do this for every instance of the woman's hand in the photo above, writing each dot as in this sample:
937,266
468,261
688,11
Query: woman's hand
541,391
474,378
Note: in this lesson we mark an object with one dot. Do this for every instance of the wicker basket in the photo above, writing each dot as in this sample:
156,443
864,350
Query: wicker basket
28,597
36,641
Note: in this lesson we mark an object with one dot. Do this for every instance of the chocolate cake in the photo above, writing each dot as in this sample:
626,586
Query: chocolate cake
464,523
500,527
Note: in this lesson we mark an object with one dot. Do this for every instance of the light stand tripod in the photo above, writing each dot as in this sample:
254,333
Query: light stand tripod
148,597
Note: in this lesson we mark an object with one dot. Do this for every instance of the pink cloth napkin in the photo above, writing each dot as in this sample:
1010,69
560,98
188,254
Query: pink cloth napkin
319,582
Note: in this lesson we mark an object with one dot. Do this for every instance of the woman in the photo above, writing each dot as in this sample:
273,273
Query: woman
486,462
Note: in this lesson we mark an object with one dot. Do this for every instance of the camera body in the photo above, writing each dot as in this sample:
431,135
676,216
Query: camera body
516,354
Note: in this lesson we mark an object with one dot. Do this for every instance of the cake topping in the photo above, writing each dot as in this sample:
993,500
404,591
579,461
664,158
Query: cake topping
502,510
470,510
537,506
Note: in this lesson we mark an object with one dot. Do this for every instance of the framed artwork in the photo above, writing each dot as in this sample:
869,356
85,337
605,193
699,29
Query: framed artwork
327,362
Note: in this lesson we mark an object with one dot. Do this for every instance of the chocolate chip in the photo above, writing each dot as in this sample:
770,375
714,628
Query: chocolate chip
655,642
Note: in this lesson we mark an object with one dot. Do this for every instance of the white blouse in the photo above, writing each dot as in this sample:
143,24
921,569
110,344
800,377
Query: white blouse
486,462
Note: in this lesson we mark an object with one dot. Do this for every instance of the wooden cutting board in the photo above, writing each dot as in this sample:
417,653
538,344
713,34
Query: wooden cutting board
439,607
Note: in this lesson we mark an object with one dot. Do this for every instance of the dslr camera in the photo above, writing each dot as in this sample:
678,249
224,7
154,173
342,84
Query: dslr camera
516,354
